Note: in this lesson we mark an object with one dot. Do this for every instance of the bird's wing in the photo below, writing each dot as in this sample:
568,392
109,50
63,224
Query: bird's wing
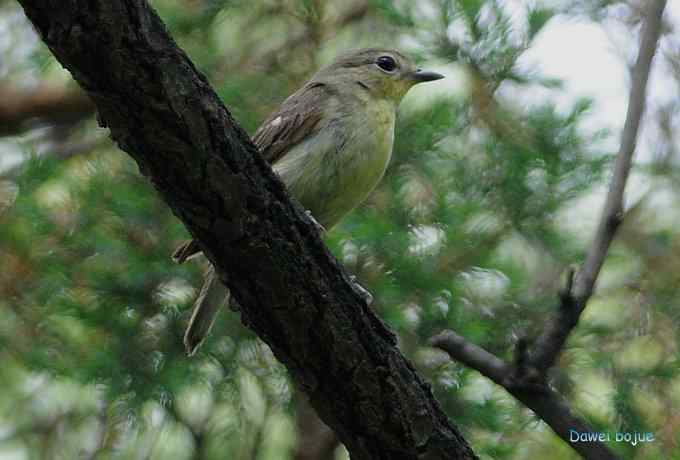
297,118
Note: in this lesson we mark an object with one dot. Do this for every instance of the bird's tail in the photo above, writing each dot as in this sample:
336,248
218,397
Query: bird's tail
211,298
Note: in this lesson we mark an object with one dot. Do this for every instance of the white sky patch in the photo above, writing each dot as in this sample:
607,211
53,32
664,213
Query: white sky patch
426,239
590,59
580,55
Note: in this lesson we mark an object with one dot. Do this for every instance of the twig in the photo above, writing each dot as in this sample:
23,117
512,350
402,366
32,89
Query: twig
572,304
526,381
548,405
21,109
551,341
613,206
472,356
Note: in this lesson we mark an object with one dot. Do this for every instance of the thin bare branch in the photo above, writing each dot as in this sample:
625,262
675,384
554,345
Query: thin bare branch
527,379
613,207
548,405
22,109
472,356
548,346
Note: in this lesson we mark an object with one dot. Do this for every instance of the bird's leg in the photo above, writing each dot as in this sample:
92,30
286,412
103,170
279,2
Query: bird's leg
362,291
316,223
378,323
358,288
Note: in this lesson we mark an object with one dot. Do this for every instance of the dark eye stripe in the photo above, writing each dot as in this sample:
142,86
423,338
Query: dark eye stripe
386,63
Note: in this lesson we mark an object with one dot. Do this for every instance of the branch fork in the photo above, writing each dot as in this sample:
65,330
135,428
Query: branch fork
527,378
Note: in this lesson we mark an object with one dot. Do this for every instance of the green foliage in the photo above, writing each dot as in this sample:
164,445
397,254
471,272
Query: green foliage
466,232
537,19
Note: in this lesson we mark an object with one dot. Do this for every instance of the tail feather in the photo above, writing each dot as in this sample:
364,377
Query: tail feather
212,297
185,251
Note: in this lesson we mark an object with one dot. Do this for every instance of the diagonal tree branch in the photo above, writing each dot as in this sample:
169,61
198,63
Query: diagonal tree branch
292,292
574,299
613,207
547,404
526,380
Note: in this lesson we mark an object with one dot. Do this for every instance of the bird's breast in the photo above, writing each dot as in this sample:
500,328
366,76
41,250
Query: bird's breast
335,169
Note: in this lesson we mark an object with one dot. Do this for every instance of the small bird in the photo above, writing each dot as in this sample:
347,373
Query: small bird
330,143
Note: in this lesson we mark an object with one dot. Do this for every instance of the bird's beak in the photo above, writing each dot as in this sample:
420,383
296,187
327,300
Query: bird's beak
420,76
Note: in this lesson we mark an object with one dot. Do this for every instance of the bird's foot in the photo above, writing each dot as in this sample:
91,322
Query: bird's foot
362,291
380,326
316,223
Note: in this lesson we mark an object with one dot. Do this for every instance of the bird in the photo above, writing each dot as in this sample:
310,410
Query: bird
330,143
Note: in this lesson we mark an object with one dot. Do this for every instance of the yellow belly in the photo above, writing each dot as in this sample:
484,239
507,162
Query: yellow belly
335,170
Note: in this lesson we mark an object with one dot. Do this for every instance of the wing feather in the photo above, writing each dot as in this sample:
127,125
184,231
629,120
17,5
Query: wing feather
297,118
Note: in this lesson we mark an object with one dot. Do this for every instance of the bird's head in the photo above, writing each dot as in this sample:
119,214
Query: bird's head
384,73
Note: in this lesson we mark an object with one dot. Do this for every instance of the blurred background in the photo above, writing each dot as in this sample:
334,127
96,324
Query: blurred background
493,192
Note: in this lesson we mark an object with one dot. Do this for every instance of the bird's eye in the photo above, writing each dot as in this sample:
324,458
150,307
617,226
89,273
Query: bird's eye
386,63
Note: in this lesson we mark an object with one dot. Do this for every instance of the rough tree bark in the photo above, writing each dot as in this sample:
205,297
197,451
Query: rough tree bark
293,293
